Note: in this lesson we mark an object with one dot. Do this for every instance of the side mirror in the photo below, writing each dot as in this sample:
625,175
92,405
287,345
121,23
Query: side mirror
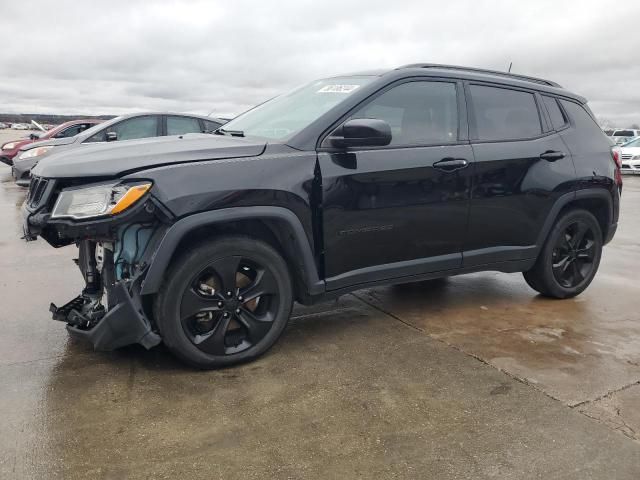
361,132
112,136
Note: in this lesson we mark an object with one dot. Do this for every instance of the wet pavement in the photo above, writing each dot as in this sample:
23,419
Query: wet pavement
470,377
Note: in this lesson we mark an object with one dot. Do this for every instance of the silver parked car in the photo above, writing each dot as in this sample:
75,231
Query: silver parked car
630,156
623,135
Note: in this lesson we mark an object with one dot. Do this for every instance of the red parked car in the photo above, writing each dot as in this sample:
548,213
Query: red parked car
67,129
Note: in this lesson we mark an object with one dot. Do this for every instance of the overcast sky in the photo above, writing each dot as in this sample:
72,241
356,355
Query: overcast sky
212,56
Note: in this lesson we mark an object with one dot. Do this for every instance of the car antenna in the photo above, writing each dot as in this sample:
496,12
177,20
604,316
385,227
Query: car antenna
510,65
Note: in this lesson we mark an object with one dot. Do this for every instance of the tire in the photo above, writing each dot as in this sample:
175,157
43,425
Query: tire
224,302
569,258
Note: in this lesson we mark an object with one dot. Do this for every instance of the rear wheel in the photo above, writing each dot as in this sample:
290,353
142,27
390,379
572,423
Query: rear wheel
569,258
225,302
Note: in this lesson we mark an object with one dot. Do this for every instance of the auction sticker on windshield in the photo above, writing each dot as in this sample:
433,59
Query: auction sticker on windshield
338,88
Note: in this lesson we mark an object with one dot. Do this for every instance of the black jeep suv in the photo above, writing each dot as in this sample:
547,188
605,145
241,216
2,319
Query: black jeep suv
204,241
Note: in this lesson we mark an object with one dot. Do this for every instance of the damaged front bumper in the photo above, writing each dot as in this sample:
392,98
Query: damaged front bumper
123,324
113,258
109,312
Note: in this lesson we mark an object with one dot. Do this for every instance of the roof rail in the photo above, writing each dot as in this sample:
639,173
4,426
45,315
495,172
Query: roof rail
482,70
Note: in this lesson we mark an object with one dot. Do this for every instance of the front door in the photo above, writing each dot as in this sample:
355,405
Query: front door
401,209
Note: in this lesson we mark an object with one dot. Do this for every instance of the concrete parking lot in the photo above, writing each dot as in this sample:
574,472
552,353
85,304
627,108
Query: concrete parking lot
470,377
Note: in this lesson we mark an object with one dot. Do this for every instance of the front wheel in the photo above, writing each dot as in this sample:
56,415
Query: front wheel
569,258
227,301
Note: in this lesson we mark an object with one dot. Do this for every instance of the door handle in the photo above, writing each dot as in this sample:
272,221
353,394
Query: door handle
551,156
451,164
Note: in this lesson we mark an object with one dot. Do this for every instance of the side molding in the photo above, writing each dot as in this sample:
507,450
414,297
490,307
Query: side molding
166,249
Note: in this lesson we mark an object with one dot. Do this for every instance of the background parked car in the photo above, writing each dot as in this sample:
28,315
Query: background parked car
125,127
19,126
623,135
3,126
630,155
10,149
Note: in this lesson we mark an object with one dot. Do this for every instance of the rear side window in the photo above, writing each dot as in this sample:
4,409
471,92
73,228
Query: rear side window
211,126
557,117
181,125
583,121
419,113
503,114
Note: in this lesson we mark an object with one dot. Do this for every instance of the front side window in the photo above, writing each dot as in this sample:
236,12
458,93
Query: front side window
503,114
557,117
181,125
285,115
129,129
419,113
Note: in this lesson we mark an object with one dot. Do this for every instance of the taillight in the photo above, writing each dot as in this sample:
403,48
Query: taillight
616,153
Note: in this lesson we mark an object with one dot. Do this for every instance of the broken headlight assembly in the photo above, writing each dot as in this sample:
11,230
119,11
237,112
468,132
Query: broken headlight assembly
105,199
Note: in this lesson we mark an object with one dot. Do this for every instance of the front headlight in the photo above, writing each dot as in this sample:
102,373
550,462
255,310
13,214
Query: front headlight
9,146
635,157
35,152
98,200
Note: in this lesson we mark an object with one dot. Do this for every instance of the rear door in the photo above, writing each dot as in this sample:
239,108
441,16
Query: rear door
521,168
400,209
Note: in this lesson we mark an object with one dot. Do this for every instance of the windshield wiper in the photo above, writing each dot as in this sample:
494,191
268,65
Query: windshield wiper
233,133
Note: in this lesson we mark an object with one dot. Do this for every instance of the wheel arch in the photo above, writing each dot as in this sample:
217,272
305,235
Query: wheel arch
277,226
595,200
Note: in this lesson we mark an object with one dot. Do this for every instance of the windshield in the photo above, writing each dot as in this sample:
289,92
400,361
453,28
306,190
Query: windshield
632,143
53,131
287,114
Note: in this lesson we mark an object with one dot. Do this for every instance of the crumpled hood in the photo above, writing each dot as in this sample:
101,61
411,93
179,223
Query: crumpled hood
115,158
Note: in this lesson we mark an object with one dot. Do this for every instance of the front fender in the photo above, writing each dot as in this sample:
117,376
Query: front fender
166,249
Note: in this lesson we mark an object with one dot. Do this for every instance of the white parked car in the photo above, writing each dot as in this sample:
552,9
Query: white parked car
19,126
623,135
630,155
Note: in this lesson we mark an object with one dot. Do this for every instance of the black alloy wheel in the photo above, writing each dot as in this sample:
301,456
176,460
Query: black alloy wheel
569,258
574,254
224,301
229,306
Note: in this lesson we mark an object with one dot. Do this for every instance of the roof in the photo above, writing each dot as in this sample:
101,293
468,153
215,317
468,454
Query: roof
471,73
177,114
516,76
